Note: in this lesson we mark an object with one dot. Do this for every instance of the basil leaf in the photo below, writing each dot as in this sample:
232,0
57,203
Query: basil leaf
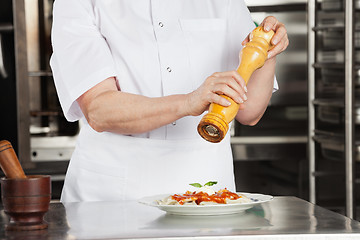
210,183
198,185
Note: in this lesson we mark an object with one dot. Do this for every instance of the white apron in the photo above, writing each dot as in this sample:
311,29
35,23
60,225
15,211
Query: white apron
154,48
107,166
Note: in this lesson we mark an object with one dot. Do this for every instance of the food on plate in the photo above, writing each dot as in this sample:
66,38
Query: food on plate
205,195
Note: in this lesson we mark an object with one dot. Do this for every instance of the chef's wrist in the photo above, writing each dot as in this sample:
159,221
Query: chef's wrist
183,109
176,106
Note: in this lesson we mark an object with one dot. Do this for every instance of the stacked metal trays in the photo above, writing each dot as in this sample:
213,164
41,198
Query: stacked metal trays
333,147
330,110
336,39
333,37
337,5
333,76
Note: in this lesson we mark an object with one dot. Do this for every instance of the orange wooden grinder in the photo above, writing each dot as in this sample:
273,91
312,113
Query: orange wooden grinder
215,124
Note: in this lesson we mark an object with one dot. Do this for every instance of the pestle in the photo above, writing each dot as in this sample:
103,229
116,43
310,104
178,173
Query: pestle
215,124
9,162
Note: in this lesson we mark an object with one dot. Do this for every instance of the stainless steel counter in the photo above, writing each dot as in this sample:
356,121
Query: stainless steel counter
282,218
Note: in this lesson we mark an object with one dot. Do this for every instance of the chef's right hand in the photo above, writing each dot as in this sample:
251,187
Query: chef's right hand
227,83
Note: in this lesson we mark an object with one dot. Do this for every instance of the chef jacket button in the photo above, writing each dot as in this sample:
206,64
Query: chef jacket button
168,69
161,24
174,123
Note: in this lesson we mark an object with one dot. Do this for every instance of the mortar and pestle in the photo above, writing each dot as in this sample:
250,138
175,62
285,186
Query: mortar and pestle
215,124
25,199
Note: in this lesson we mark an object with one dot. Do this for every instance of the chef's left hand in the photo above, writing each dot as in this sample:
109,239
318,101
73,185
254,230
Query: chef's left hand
280,39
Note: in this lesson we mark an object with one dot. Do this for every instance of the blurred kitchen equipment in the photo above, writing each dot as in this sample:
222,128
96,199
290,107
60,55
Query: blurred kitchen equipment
274,150
332,145
335,39
333,111
333,30
337,5
13,78
334,19
215,124
52,137
2,66
335,56
335,76
33,120
25,199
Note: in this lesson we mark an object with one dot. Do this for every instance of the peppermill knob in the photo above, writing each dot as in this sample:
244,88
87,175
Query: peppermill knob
215,124
9,162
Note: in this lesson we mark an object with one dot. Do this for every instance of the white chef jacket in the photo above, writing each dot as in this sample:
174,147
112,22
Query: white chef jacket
153,48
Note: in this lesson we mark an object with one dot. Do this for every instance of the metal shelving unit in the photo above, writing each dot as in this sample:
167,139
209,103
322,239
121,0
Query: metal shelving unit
13,77
342,128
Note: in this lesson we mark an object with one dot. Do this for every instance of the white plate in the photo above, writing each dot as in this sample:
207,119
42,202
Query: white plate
219,209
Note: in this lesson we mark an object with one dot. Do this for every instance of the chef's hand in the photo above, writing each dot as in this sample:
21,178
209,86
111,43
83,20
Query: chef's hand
228,83
280,39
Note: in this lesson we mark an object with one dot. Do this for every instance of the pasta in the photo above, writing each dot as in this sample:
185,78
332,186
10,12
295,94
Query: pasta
222,196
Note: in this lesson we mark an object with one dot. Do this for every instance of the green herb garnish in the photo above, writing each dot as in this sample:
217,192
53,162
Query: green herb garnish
210,183
198,185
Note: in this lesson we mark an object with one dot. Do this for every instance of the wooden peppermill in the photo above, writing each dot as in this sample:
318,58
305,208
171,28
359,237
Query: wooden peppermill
215,124
9,162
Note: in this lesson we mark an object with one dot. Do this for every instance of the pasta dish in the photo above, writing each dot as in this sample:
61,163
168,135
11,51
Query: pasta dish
199,197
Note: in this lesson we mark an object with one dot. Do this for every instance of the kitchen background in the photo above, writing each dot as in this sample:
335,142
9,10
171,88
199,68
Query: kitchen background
304,146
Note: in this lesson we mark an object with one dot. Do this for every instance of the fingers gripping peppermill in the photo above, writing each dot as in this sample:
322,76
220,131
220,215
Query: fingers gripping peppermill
215,124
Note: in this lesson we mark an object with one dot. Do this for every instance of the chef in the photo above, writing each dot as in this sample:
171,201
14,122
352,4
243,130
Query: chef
139,75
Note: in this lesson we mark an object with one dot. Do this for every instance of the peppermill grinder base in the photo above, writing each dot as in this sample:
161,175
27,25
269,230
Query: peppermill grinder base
213,127
25,201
